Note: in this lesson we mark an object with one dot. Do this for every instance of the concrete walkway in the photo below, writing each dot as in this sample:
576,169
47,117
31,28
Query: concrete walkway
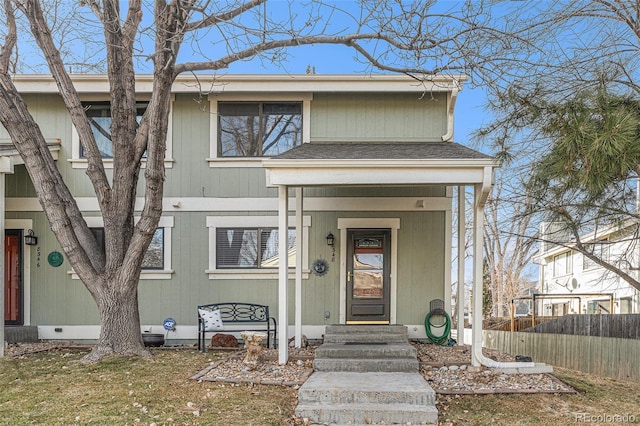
366,375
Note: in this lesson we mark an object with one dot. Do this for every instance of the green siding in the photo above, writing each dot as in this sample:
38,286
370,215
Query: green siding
378,117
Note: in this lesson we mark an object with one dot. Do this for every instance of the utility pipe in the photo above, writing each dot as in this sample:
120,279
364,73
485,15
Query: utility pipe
477,357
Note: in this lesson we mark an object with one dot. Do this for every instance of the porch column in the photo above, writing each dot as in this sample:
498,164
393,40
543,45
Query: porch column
283,271
461,260
6,166
299,257
478,223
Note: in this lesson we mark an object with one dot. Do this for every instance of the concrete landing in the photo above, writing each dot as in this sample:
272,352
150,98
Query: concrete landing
338,398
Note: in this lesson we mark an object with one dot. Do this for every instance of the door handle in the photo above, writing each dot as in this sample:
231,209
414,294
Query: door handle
349,276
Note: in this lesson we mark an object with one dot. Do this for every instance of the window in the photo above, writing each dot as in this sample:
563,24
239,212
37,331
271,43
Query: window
562,264
252,248
257,129
99,114
98,111
157,260
600,250
247,247
153,258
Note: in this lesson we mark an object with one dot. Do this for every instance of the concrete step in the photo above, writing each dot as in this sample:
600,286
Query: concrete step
364,350
368,413
365,338
366,388
408,365
365,329
21,334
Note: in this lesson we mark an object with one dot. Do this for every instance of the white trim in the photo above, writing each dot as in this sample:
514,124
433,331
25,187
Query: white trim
212,204
81,163
99,83
185,332
214,160
24,225
166,222
213,222
374,223
448,247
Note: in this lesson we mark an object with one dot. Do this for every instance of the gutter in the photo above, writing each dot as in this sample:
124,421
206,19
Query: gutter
447,137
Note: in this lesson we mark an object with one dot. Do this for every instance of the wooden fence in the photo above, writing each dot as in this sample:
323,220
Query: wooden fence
601,356
624,326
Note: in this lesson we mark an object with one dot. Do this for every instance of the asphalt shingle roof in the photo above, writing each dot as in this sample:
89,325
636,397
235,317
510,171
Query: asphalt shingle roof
381,151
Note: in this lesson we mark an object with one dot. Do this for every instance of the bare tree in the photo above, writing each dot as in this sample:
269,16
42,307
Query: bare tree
389,35
507,249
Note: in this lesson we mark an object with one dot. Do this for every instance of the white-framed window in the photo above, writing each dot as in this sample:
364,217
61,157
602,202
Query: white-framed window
244,129
246,247
98,112
562,264
157,261
601,250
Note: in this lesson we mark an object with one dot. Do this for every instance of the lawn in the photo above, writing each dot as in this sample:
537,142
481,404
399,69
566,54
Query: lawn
53,388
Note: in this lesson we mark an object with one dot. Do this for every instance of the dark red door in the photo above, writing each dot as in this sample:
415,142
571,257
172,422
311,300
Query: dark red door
12,277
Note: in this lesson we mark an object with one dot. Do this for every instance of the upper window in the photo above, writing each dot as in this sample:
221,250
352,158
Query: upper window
252,248
562,264
99,114
257,129
600,250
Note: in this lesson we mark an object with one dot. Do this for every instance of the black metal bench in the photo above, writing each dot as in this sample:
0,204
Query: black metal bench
239,313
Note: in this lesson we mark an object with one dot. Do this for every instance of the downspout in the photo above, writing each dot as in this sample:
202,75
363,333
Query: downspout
452,104
481,192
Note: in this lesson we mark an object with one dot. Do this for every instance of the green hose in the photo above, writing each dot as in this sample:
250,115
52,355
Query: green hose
443,339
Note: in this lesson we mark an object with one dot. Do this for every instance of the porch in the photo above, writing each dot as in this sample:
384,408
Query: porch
378,165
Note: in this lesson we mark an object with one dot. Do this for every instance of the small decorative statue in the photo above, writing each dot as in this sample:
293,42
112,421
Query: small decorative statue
253,344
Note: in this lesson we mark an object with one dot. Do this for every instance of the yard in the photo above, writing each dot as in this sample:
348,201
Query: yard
53,388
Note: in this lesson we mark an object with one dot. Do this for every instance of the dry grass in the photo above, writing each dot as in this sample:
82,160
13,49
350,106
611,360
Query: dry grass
53,388
615,402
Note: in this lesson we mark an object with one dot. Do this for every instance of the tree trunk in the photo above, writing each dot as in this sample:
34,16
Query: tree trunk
120,321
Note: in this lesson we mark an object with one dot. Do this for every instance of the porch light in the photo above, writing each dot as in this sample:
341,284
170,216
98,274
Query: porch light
330,239
30,239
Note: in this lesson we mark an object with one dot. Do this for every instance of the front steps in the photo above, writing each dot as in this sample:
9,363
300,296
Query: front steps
366,375
366,349
367,398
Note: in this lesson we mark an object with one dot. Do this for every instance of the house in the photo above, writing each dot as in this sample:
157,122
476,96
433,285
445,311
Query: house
587,287
367,160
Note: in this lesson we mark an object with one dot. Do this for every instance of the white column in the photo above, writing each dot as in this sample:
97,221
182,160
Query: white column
478,223
461,255
283,275
299,257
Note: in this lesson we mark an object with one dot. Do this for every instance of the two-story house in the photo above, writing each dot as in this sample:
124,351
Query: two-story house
577,284
357,171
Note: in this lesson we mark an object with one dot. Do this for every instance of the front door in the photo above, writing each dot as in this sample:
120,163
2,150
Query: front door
13,277
368,266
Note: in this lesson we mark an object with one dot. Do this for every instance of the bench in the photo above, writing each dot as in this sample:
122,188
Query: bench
238,313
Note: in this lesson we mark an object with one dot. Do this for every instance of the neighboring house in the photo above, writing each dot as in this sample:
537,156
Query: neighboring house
368,159
591,287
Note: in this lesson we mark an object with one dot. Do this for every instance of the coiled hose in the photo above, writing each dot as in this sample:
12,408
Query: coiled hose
443,339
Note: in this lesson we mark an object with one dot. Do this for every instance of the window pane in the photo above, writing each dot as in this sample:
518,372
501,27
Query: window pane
154,257
242,247
258,129
99,114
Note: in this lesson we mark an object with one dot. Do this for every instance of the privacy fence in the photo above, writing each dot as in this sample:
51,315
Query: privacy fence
603,356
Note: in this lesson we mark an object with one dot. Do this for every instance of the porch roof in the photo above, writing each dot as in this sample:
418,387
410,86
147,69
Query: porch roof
379,163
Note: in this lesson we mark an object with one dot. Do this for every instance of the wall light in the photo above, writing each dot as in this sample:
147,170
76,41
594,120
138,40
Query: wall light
30,239
330,239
